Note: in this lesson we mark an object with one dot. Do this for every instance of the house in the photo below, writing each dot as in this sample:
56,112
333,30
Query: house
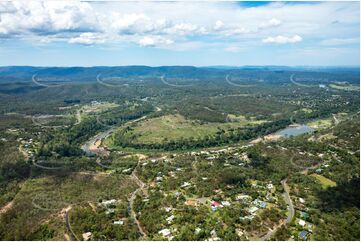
87,236
303,235
262,205
215,205
119,222
185,184
270,186
301,200
198,230
259,203
164,232
167,209
191,202
214,236
226,203
252,210
243,197
248,217
170,219
302,222
108,202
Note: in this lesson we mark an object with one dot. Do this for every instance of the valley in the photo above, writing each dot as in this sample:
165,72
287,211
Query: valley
184,154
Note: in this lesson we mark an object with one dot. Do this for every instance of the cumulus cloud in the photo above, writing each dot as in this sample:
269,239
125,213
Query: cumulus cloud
219,24
87,39
176,23
270,23
282,39
151,41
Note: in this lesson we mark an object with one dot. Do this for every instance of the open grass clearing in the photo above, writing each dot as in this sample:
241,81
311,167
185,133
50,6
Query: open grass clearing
345,87
175,127
325,182
321,123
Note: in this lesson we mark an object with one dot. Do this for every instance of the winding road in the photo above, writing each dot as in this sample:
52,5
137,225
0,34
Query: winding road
78,117
68,226
174,85
298,84
133,195
235,84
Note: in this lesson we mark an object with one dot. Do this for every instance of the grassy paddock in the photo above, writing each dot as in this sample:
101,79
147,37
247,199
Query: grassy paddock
175,127
325,182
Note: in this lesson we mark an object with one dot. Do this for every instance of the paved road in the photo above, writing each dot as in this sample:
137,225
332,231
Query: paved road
335,118
102,135
68,226
33,78
78,117
109,85
91,142
235,84
174,85
291,210
45,167
298,84
131,202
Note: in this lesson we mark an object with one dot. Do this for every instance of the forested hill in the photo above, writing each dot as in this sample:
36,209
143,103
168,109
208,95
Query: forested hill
267,73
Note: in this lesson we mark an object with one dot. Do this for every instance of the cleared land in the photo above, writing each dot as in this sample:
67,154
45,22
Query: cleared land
345,87
175,127
321,123
325,182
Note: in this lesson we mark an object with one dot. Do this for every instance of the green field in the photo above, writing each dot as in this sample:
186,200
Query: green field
175,127
325,182
345,87
321,123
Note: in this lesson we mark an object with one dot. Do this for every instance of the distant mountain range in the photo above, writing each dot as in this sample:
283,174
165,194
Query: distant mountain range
80,74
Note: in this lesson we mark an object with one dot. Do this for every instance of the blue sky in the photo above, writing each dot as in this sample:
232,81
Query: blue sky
59,33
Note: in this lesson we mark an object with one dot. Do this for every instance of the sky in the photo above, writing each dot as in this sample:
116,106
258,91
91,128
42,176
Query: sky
75,33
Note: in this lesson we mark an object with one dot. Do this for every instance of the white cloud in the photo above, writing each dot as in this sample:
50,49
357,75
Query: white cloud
219,24
151,41
270,23
177,23
87,39
282,39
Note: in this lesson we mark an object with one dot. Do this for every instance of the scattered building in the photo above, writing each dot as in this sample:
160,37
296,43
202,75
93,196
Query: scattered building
119,222
165,233
303,235
302,222
87,236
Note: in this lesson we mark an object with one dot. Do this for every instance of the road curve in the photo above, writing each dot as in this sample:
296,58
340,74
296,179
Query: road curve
131,201
298,84
291,210
235,84
174,85
68,226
